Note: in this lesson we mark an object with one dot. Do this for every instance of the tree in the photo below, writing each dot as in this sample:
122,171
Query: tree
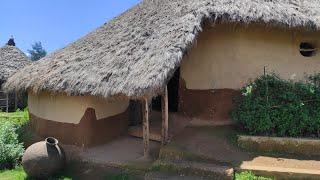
37,52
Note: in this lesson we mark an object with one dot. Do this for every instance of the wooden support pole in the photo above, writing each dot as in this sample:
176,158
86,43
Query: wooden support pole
165,118
7,102
15,101
146,135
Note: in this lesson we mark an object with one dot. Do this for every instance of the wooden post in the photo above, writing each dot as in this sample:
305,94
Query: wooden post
145,112
7,102
165,118
15,101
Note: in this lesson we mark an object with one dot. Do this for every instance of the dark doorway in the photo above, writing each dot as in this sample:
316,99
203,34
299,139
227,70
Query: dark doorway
135,115
173,94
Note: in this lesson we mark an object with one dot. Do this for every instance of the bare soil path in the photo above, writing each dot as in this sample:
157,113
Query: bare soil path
218,144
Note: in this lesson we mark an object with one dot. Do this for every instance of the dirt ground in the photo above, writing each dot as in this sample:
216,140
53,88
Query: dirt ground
124,150
219,144
89,171
215,144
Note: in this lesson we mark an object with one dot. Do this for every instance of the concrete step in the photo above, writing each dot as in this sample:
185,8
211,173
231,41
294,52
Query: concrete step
197,169
282,168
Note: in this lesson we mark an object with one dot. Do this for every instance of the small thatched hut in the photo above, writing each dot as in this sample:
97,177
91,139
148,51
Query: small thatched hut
207,48
11,60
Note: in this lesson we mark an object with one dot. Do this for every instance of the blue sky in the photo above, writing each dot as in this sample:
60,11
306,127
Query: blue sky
55,23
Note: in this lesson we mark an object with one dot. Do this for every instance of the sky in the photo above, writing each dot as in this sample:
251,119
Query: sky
55,23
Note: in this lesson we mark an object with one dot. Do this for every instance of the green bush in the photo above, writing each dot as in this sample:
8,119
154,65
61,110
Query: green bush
10,148
275,107
20,119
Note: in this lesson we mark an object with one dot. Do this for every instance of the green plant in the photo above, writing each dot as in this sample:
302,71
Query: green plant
20,119
249,176
10,148
275,107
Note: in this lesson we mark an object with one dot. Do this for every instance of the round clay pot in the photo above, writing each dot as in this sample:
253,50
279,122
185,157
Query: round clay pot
43,159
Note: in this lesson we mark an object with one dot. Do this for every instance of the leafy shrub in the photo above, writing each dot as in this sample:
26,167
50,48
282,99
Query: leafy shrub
20,119
10,148
276,107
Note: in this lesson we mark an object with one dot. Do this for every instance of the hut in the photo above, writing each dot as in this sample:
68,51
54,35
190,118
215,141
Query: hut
194,55
11,60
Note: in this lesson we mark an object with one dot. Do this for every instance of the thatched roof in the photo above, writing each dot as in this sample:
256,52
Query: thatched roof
11,60
136,53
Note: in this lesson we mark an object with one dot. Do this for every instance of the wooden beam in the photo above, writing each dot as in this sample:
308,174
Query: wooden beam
146,135
165,118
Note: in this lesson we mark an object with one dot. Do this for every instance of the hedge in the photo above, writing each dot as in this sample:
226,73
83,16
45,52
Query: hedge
272,106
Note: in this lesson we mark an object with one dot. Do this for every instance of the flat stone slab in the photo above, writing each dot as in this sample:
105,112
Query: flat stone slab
282,168
299,146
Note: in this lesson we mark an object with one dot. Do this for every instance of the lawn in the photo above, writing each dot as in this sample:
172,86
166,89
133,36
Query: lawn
19,174
16,174
249,176
19,118
69,174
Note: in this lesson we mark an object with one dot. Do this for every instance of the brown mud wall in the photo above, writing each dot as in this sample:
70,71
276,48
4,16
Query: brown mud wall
208,105
89,132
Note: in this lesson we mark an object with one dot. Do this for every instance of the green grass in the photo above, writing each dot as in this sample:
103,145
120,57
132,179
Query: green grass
14,174
19,174
19,117
250,176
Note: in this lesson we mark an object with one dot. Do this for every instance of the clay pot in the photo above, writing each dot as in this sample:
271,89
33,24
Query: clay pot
43,159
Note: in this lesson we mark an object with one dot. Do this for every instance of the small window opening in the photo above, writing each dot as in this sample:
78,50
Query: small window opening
307,49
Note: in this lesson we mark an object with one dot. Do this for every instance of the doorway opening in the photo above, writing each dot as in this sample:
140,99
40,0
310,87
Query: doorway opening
155,112
173,94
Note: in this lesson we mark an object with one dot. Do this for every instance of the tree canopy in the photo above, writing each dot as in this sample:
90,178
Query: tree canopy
37,52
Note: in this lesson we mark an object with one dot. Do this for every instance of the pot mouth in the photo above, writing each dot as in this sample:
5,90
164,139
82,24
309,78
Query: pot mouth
51,141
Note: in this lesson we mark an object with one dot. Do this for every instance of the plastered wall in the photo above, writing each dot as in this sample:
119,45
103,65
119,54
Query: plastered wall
70,109
228,56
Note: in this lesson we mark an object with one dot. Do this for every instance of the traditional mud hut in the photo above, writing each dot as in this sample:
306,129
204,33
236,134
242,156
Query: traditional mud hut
194,54
11,60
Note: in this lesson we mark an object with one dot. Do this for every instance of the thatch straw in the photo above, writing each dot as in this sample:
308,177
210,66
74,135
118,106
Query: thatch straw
136,53
11,60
